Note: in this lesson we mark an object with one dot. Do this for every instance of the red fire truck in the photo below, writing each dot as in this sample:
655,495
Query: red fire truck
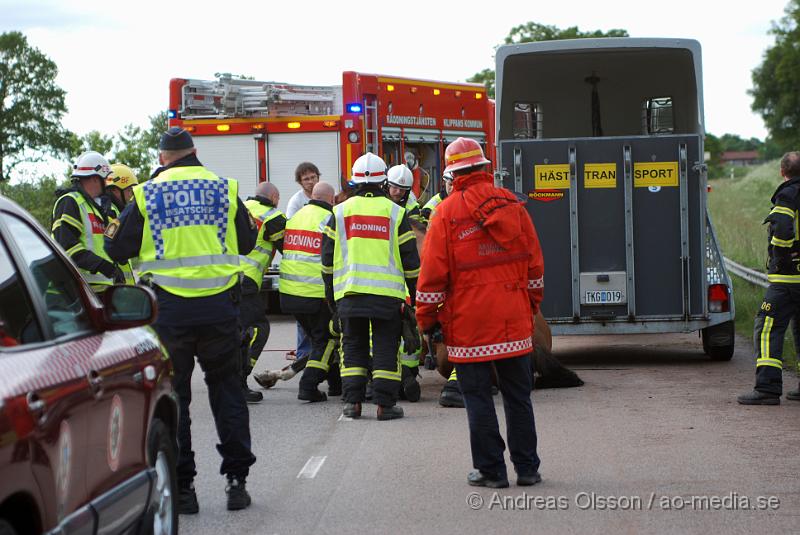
255,131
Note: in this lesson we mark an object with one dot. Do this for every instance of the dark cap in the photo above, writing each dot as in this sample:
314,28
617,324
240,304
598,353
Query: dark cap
175,138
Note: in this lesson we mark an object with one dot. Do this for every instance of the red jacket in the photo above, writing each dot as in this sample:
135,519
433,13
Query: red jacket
482,272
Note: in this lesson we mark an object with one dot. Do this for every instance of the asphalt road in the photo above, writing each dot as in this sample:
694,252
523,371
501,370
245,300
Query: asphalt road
653,443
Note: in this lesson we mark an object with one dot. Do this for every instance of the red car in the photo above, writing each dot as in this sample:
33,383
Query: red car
88,416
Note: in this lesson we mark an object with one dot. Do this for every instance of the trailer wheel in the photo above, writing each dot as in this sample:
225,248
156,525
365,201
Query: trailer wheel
718,341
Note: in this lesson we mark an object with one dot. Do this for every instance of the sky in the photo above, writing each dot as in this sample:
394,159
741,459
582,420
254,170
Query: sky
116,58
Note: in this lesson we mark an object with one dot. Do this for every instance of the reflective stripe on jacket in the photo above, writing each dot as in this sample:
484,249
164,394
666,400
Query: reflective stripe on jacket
254,264
300,270
92,229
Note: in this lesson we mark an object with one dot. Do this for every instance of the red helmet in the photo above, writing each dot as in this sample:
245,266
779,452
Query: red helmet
463,153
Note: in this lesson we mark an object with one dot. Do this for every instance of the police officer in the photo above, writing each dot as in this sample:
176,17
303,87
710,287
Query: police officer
119,192
369,257
782,298
271,223
430,207
79,222
188,227
303,292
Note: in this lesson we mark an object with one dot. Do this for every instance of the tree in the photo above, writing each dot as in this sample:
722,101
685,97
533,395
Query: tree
776,80
31,104
533,31
138,148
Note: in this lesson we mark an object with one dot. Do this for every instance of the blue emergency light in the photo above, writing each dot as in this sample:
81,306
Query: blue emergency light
354,108
171,114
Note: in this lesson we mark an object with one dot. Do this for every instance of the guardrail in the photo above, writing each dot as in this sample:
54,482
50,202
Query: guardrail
750,275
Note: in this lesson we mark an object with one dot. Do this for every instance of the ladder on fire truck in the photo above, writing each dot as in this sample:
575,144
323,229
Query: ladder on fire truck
229,97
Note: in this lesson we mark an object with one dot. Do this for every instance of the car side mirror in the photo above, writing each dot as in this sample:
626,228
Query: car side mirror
125,307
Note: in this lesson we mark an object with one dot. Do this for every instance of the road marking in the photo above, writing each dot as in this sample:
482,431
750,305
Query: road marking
311,468
343,418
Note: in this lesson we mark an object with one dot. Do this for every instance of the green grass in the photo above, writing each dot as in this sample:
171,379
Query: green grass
738,208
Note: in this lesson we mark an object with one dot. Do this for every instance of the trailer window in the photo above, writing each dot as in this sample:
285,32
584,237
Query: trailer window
527,120
657,117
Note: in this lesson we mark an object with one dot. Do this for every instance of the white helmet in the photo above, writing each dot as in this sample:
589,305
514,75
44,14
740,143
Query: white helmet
447,175
369,169
400,176
91,163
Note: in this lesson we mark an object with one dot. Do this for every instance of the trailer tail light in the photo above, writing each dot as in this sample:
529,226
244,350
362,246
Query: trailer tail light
354,108
293,126
223,127
390,87
458,93
257,126
718,298
436,92
189,129
413,90
478,96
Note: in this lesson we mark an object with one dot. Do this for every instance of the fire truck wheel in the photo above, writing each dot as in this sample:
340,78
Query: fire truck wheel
162,515
718,341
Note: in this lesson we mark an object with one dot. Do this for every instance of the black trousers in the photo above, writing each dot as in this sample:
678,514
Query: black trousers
216,347
385,363
321,362
515,381
252,314
781,304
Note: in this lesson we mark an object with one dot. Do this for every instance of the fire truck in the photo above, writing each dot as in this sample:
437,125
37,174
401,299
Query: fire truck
259,131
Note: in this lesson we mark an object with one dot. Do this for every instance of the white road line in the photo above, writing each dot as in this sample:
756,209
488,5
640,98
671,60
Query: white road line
311,468
343,418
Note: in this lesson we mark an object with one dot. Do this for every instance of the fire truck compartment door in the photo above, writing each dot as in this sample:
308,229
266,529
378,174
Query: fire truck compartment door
231,157
286,151
620,221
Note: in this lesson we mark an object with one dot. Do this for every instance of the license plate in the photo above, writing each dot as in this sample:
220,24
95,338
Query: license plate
604,297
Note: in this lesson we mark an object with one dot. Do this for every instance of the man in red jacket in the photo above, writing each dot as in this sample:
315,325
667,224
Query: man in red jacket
482,279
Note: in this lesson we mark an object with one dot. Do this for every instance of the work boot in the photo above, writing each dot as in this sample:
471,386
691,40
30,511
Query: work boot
335,389
351,410
794,395
758,398
250,396
187,500
389,413
476,478
529,480
451,396
409,387
312,395
268,378
238,498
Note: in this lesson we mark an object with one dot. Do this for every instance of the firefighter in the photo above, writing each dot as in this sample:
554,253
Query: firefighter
302,292
253,314
430,207
369,258
782,298
420,176
119,192
398,186
188,228
483,280
79,222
